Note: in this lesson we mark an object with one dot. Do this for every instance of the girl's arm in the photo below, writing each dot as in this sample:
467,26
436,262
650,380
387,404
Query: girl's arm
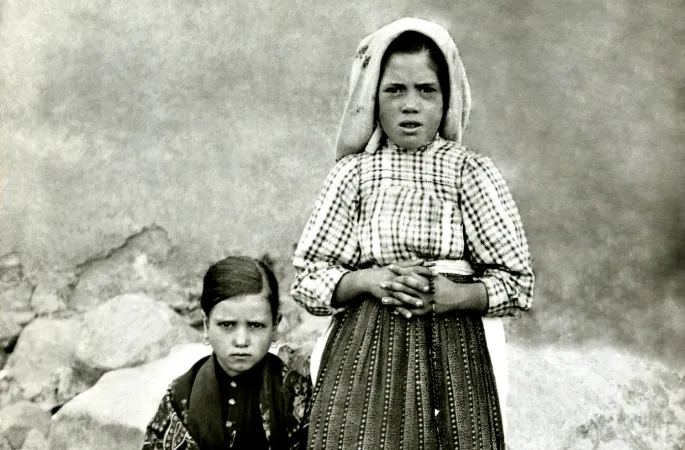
495,240
328,248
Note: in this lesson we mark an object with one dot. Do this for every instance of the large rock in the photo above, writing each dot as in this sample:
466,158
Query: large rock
115,412
137,266
35,440
41,359
18,419
594,398
129,330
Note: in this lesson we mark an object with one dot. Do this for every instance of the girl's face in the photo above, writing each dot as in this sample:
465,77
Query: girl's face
240,331
410,99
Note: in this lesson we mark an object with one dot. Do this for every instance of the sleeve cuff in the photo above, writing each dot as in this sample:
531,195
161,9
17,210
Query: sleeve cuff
500,302
334,274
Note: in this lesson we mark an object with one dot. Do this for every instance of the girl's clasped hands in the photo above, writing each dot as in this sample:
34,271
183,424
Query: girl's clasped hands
409,288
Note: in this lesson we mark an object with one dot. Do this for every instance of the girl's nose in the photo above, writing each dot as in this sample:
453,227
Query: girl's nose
411,102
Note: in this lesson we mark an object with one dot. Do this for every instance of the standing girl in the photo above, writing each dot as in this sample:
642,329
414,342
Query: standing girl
417,248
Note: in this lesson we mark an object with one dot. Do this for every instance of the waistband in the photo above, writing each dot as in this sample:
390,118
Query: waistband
451,266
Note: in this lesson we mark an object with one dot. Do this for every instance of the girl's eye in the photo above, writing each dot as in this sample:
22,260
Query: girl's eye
392,90
428,89
257,325
226,324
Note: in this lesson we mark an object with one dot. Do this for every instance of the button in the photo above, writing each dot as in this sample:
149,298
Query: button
231,402
233,384
229,424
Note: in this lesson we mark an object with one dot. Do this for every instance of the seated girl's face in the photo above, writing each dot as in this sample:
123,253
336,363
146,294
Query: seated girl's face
240,330
410,99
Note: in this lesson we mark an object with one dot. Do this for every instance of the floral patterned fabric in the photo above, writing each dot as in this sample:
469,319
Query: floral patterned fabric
182,423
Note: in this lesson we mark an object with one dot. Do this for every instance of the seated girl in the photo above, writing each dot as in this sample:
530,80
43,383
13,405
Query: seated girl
241,396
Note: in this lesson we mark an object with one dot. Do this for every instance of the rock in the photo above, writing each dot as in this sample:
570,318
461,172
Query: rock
35,440
129,330
615,445
11,269
15,304
134,267
307,331
44,351
17,297
47,300
19,418
291,315
152,241
10,391
9,330
115,412
592,398
4,444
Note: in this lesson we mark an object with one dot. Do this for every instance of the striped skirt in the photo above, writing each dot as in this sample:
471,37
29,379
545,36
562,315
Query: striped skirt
390,383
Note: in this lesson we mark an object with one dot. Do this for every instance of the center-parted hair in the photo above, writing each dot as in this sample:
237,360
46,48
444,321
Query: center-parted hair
235,276
413,42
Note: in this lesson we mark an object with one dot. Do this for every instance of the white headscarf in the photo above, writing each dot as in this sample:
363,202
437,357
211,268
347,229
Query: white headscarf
358,128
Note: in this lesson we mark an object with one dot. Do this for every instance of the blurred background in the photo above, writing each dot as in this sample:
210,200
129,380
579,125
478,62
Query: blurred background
216,121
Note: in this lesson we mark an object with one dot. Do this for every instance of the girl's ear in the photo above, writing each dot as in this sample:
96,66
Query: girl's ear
205,331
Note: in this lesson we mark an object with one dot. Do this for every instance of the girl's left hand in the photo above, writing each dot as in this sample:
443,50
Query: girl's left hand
408,289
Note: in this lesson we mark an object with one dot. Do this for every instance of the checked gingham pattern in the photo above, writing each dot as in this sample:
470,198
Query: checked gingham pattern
440,202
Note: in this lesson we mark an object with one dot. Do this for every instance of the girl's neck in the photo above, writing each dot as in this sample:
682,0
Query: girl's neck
390,144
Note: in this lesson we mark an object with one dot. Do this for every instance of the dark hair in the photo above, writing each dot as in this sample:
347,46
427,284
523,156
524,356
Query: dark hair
239,275
414,42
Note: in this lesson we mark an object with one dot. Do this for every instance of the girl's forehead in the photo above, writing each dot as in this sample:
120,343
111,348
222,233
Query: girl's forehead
247,307
410,65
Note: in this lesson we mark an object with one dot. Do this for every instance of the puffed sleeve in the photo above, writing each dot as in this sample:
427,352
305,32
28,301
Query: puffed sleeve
329,247
495,238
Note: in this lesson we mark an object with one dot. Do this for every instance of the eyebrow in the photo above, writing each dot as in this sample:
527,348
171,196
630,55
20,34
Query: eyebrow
397,83
232,320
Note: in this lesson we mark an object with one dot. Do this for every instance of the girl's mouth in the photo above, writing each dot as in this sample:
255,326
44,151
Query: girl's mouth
410,124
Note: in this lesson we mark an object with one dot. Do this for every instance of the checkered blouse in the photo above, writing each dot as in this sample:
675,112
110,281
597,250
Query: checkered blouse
440,202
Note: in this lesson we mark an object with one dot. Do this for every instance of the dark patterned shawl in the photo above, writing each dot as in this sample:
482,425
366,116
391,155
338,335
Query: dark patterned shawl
189,415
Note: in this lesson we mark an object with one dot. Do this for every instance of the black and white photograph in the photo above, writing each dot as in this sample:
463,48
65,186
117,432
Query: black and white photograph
365,225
